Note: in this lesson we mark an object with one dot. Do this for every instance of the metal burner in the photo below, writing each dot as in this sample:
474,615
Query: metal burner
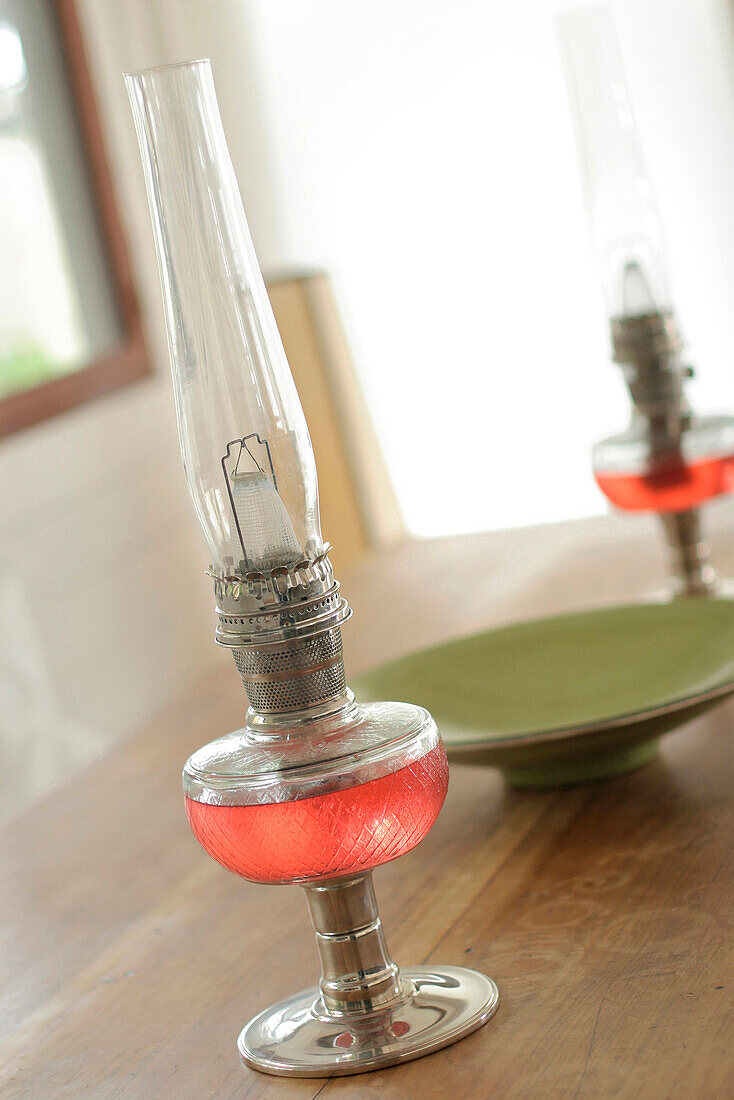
648,347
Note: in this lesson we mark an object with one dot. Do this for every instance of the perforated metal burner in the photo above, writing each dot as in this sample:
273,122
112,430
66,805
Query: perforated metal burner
294,674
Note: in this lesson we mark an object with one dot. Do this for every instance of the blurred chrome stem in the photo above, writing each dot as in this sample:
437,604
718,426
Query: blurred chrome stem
690,552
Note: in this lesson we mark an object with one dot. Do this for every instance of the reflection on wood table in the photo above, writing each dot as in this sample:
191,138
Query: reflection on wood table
130,961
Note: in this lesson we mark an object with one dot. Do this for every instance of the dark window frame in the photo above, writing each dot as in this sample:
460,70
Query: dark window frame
128,360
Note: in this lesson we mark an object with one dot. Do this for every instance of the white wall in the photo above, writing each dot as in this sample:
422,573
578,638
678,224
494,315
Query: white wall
423,152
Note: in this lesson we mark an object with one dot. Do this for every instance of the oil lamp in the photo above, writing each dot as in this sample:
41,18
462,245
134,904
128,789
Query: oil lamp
314,789
669,460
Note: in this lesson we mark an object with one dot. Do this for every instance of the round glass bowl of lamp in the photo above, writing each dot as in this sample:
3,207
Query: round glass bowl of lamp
339,797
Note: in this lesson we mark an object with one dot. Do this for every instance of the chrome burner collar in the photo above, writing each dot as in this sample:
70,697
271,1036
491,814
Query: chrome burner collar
262,591
293,675
259,608
649,335
648,350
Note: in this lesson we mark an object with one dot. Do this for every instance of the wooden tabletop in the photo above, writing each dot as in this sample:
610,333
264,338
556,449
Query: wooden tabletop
129,961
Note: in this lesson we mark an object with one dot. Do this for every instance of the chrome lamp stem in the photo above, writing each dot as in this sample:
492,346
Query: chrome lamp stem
358,974
689,552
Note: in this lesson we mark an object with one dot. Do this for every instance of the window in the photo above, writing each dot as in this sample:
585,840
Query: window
69,321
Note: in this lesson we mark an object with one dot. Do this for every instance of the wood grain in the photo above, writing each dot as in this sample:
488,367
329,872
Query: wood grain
130,960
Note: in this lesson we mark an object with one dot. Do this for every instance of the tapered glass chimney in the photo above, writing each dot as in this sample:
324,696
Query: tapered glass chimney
626,231
245,445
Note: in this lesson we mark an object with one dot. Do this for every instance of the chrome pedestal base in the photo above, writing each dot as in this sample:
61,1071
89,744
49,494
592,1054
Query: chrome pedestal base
300,1038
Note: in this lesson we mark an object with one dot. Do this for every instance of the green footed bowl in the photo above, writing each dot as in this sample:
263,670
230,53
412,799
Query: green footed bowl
574,698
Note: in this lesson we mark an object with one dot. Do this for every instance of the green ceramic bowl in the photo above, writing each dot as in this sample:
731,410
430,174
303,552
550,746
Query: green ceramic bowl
574,698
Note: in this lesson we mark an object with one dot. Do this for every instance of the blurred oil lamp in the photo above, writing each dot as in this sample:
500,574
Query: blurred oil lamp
669,460
314,789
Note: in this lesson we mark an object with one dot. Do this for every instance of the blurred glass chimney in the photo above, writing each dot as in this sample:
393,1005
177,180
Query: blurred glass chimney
626,230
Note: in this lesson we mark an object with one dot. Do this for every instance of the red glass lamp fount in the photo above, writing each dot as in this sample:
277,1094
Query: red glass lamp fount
314,789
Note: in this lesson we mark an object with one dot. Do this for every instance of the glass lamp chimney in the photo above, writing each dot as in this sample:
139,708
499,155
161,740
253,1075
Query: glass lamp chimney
626,231
244,441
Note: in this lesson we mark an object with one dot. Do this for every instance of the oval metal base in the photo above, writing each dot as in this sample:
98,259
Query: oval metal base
297,1038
